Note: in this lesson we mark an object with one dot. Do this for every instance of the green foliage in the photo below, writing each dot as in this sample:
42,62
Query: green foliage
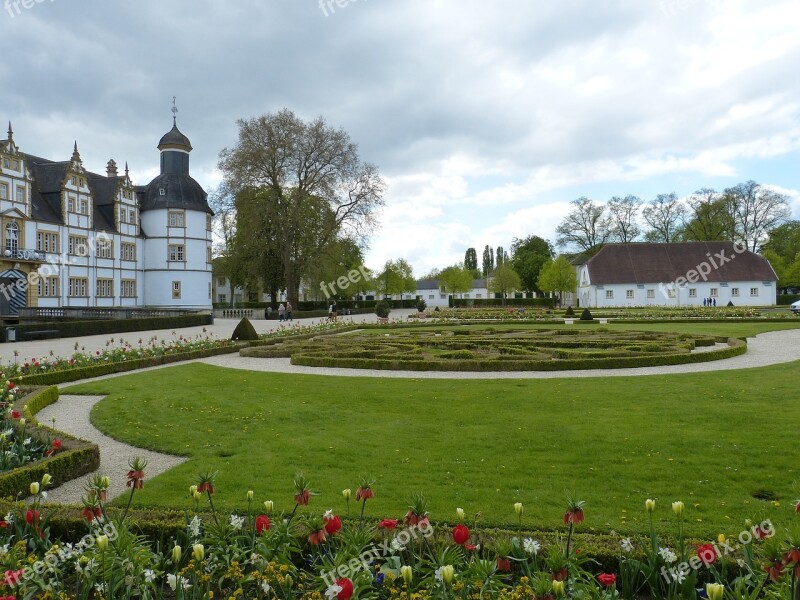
102,326
455,280
558,276
586,315
421,305
505,280
382,309
528,256
570,312
244,331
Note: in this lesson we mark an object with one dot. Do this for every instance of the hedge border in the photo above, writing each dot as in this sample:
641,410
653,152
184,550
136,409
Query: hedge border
69,328
735,347
77,457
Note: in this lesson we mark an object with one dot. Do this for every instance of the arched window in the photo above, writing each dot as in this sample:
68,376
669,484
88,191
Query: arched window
12,236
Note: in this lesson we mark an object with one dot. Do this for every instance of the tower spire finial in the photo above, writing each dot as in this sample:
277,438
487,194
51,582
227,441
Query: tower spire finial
174,112
10,132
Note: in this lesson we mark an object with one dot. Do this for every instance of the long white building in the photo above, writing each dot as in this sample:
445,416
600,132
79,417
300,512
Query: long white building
73,238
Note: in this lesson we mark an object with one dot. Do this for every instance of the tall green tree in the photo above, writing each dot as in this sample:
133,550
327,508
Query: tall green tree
710,217
488,261
756,210
504,281
528,256
314,185
455,280
558,276
340,258
396,278
500,256
471,260
784,240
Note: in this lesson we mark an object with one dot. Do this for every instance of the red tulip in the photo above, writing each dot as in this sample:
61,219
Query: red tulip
607,579
56,444
347,589
262,523
32,517
460,534
707,554
15,414
470,547
333,525
388,524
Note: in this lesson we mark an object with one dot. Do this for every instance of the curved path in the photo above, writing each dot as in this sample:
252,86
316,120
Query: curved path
770,348
72,412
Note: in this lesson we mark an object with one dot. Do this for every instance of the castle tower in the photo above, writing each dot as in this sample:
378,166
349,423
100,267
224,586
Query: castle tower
176,223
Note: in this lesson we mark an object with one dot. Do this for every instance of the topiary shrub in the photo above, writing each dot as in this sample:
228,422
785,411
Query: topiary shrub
244,331
730,303
570,312
382,309
421,305
586,315
436,309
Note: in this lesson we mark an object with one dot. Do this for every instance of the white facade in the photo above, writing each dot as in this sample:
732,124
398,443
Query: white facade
72,238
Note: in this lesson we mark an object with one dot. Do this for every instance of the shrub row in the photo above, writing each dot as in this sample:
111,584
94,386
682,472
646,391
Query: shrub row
67,375
507,303
788,298
735,348
75,459
101,327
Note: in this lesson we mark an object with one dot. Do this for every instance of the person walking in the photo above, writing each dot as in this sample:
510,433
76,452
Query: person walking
288,311
281,312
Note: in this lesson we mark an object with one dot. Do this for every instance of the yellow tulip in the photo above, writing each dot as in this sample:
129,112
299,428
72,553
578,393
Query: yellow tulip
407,574
714,591
518,508
176,554
198,552
268,506
460,514
34,488
448,572
650,504
46,479
102,542
677,508
558,588
346,493
250,495
721,538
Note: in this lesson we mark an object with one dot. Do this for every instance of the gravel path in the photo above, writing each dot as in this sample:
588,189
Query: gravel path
72,412
72,416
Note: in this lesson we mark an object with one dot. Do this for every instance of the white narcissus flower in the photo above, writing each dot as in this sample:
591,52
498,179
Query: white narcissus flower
627,545
531,546
333,591
237,522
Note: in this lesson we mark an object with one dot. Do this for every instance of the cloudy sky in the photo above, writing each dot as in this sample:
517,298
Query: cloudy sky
485,118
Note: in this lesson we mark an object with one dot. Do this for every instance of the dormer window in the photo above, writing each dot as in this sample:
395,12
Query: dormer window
162,192
72,181
6,163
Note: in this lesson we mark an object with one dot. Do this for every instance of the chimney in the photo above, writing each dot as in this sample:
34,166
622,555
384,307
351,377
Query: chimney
111,168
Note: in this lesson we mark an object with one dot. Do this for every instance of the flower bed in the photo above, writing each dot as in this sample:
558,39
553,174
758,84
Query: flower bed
634,314
117,357
49,451
349,553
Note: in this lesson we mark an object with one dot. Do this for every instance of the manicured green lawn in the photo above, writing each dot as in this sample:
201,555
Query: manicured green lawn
709,439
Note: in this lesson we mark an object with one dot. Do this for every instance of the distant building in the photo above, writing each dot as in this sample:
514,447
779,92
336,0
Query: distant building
679,274
73,238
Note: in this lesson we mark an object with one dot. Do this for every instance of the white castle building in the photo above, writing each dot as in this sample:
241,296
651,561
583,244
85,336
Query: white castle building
72,238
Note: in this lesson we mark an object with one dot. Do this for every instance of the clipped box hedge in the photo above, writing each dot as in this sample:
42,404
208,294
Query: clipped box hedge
735,347
68,328
76,458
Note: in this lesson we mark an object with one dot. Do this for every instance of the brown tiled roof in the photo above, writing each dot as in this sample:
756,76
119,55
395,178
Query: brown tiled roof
664,263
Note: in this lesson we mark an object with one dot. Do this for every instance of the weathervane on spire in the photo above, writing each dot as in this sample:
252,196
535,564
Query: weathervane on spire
174,112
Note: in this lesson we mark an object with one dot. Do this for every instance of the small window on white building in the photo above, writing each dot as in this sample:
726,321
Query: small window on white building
609,294
222,298
671,292
735,292
753,292
692,292
479,295
651,294
714,292
629,294
176,290
431,296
